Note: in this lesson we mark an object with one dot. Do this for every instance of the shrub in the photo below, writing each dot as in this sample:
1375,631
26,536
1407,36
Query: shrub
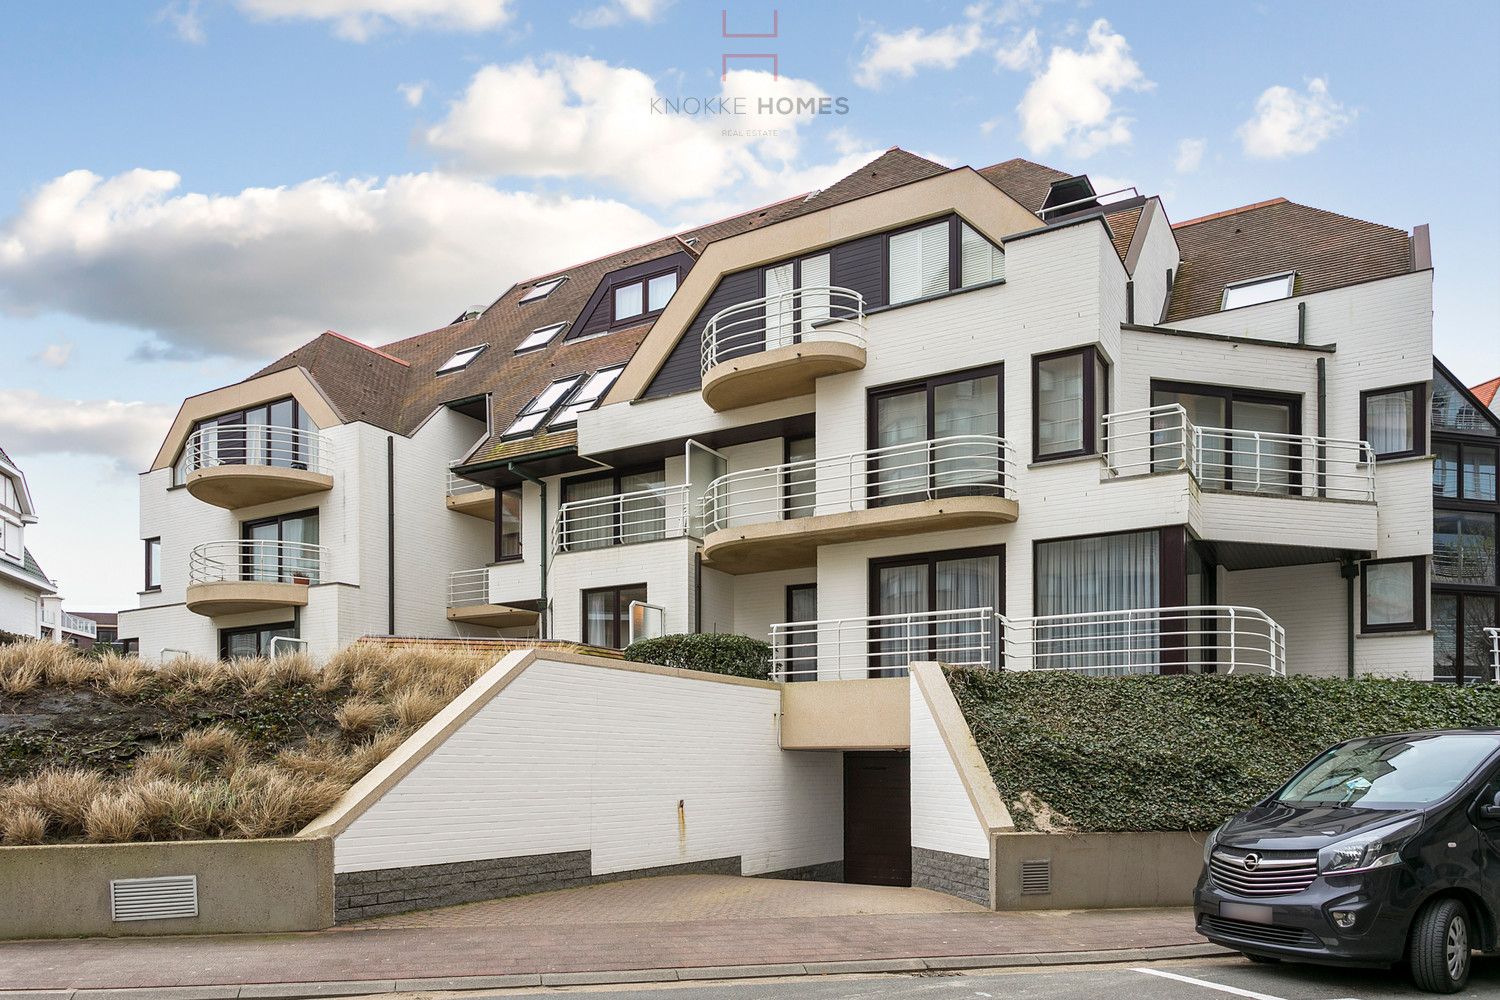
1179,752
714,653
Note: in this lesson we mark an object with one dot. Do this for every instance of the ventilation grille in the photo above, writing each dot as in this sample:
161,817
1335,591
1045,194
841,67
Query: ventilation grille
1036,878
153,898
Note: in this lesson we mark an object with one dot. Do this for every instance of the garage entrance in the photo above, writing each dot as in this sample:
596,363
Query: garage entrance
877,817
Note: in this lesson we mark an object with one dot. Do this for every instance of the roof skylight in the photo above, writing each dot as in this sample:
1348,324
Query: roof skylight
461,359
1258,290
540,337
534,412
542,289
588,396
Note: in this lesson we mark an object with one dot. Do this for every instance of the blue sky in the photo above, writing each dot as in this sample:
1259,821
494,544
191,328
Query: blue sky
190,188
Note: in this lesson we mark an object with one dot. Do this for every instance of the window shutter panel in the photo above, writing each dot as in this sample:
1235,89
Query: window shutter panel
982,260
778,307
814,299
906,266
935,259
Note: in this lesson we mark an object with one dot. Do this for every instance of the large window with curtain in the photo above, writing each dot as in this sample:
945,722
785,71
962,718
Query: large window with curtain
934,605
606,614
258,435
1394,421
1098,573
281,549
939,257
1069,397
930,436
641,517
1242,461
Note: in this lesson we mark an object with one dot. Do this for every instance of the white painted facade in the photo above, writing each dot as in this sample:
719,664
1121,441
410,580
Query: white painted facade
942,816
22,590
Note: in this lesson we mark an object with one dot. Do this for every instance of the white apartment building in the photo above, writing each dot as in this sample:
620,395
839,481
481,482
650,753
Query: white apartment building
29,602
985,416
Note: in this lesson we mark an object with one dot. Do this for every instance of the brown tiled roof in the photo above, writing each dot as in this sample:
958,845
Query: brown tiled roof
1122,227
361,383
893,168
1325,249
1027,183
1485,391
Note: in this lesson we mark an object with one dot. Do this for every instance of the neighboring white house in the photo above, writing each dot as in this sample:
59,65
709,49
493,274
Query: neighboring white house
23,585
986,416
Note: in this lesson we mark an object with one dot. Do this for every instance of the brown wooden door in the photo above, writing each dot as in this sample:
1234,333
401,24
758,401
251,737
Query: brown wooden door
877,818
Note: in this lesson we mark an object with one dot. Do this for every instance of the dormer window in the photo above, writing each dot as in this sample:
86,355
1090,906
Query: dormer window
588,396
643,296
540,337
542,289
1258,290
460,360
536,411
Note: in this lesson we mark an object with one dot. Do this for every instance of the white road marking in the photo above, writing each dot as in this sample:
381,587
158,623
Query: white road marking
1235,990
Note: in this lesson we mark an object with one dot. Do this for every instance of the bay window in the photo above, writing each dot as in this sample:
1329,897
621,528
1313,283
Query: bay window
1393,421
939,257
1070,393
1393,595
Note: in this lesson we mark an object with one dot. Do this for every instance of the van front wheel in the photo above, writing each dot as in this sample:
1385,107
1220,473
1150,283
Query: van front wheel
1440,947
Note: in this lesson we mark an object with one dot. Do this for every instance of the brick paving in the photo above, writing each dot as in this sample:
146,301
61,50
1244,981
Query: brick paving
680,922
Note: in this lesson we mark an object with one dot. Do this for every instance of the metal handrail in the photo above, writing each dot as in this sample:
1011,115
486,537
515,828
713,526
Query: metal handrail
468,587
252,560
881,645
813,313
459,486
622,519
960,465
1163,439
265,445
81,625
1222,638
1494,634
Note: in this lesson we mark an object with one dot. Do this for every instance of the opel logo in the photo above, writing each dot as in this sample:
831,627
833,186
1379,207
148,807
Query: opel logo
1251,862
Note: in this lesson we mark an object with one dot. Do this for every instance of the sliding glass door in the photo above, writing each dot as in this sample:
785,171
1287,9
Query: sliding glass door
1258,454
925,432
1083,578
934,606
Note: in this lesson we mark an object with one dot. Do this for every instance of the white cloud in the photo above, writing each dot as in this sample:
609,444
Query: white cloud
1189,155
1021,53
359,20
55,355
1070,103
259,271
582,118
185,20
1287,123
126,433
903,53
618,11
412,93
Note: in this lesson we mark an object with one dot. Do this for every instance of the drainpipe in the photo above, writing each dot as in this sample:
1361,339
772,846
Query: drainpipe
1322,456
1349,570
390,535
542,625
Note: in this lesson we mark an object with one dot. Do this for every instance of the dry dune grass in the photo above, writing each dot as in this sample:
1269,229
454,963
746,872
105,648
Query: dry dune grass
214,779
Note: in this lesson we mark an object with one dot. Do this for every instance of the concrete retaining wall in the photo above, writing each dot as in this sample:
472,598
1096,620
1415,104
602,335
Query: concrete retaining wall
243,885
1099,870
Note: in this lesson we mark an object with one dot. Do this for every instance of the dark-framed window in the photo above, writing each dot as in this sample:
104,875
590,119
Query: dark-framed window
252,640
1393,594
799,485
801,649
606,614
1235,461
153,563
936,257
281,549
640,517
1069,397
508,524
1394,420
1464,470
256,435
907,423
925,586
1461,652
1463,547
630,301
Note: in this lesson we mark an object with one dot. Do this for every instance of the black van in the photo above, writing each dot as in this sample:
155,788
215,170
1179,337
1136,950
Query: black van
1381,850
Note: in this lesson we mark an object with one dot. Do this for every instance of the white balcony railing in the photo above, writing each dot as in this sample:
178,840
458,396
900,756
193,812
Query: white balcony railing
257,561
459,486
1199,639
258,445
1163,439
622,519
1494,637
958,466
468,587
80,625
823,313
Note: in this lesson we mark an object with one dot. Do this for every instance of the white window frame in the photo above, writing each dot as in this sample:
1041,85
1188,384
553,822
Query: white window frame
540,407
587,396
461,359
542,289
540,337
1289,278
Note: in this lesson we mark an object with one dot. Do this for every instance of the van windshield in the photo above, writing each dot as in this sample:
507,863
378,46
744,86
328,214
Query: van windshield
1405,773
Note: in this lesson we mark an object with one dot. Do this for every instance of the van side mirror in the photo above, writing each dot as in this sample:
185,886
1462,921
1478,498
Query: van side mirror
1491,811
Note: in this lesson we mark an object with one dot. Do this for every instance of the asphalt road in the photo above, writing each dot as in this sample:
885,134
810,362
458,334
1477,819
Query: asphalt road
1205,979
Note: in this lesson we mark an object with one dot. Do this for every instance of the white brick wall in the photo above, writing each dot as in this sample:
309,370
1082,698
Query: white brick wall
572,757
18,609
942,817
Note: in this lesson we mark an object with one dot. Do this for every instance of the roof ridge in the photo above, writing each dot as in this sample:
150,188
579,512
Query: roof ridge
372,350
1231,211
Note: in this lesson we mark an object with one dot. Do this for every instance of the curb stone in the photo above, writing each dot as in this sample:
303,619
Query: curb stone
313,991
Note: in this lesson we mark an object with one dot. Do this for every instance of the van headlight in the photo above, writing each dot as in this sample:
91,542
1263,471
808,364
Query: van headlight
1212,840
1373,849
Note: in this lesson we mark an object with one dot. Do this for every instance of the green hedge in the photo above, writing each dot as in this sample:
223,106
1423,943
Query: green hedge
1180,752
714,653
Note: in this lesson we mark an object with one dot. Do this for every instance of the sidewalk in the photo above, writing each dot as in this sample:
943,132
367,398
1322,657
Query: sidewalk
652,929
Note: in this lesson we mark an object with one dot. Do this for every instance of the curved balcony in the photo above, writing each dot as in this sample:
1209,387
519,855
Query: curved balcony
250,464
232,577
777,347
776,517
